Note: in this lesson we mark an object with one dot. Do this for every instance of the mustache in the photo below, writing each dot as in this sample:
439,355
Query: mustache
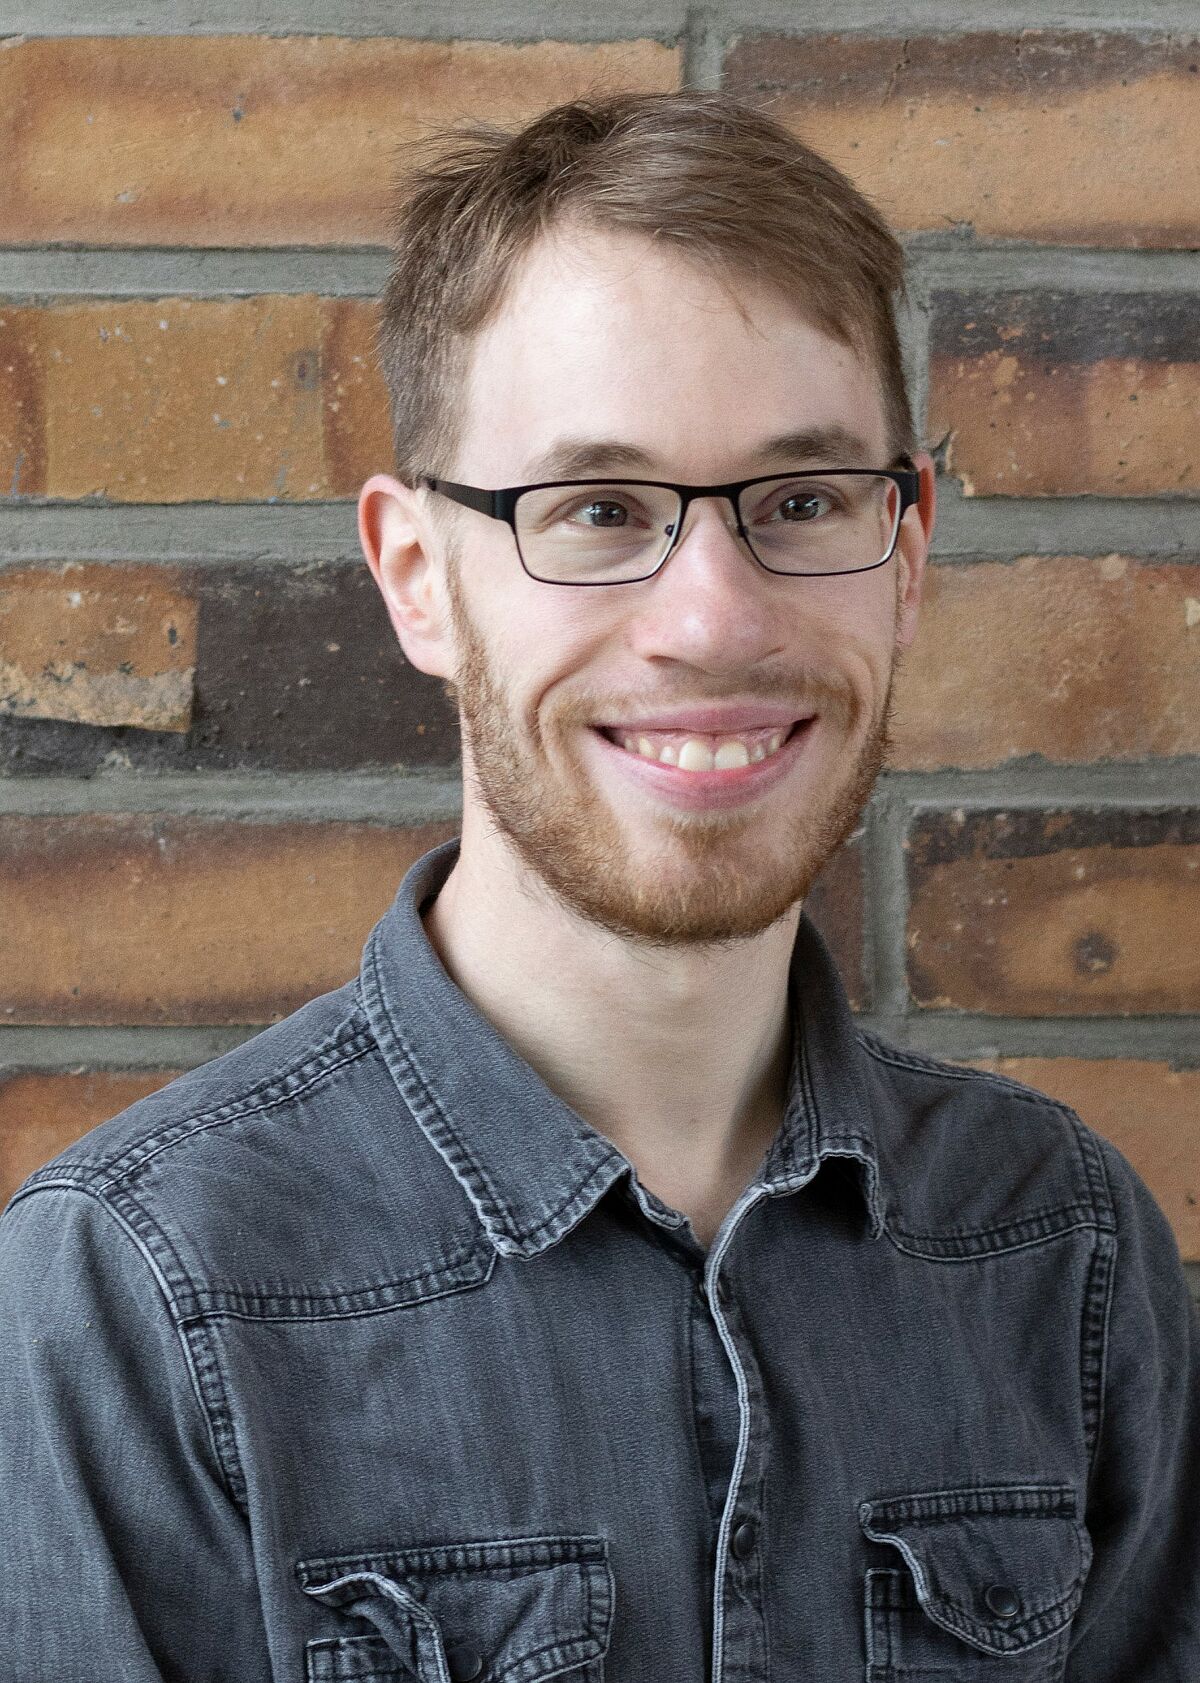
814,693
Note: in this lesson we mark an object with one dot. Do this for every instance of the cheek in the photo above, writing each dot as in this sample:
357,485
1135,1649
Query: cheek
855,625
544,646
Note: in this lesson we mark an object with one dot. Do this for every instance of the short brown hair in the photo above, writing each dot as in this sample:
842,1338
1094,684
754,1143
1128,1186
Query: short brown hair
725,184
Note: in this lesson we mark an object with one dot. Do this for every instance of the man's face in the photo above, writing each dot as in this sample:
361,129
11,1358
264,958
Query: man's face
606,338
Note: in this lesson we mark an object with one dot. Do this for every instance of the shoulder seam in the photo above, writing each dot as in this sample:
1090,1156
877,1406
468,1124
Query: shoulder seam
353,1037
1087,1140
231,1474
905,1059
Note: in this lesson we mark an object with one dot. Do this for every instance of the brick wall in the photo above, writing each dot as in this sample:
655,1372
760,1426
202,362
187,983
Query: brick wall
214,762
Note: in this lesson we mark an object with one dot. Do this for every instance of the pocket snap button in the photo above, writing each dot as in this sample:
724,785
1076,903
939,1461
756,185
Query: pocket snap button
1003,1601
464,1661
743,1539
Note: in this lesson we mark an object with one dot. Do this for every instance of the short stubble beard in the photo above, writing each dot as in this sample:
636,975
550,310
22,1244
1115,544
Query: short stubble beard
712,880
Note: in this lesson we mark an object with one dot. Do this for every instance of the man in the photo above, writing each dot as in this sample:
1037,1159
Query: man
576,1292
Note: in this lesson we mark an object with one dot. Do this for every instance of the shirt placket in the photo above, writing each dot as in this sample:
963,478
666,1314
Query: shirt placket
739,1638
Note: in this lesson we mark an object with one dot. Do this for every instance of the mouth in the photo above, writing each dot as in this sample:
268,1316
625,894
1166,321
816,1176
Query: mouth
696,752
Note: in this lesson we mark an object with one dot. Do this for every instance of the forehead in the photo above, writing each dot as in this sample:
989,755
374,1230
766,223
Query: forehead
606,335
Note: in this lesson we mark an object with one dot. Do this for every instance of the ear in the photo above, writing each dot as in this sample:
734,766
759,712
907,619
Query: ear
403,554
912,550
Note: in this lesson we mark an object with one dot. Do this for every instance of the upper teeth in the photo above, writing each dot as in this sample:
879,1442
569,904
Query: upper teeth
697,753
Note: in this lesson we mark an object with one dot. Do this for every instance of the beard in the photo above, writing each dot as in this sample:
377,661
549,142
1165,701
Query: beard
708,878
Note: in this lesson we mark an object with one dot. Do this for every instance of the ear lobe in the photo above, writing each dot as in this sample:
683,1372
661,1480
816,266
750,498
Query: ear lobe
916,532
402,553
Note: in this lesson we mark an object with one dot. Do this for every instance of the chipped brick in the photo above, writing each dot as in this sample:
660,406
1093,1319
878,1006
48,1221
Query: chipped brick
97,645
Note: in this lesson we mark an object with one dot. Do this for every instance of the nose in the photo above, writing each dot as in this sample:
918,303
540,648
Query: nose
710,605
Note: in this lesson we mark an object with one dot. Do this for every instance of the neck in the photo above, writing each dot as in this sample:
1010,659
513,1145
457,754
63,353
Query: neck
680,1056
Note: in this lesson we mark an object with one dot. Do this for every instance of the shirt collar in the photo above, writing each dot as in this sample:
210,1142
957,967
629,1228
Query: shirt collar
531,1167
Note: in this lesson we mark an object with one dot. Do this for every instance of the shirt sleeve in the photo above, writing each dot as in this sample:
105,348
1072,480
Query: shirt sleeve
1140,1614
121,1551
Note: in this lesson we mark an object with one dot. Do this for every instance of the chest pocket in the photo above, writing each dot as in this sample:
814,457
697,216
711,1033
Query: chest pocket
986,1584
515,1610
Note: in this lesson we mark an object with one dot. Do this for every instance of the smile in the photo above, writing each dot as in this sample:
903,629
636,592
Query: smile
696,751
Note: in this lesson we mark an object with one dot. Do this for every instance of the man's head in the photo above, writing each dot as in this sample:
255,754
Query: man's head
698,173
656,287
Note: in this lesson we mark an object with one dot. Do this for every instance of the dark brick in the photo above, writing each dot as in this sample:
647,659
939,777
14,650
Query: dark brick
1054,327
297,668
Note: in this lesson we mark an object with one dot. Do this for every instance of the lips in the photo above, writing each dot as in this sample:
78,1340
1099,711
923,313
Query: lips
700,784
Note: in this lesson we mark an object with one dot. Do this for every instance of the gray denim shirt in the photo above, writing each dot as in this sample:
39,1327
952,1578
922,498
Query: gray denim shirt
355,1355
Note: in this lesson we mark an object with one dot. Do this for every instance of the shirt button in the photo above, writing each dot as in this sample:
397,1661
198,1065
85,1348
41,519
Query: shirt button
723,1292
1004,1602
464,1661
743,1539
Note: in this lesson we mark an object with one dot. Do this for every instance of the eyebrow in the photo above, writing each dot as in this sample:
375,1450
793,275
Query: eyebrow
576,458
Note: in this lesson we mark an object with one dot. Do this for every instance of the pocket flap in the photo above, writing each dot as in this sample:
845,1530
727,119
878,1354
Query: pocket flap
519,1609
1001,1566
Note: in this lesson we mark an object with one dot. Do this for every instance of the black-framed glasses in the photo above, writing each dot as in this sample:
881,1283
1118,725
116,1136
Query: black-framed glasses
812,523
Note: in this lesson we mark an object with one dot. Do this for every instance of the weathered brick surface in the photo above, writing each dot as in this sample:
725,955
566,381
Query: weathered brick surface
1148,1110
356,426
836,907
296,667
1053,913
248,140
1072,658
181,399
22,401
97,646
41,1114
125,918
1052,135
1058,393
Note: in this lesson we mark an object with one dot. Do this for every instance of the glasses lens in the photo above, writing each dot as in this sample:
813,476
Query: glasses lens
594,534
822,523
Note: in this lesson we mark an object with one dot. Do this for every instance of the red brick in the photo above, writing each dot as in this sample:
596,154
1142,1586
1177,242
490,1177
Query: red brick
97,645
40,1114
1048,135
1071,658
1055,913
212,140
1148,1110
356,437
127,918
1058,394
22,395
180,400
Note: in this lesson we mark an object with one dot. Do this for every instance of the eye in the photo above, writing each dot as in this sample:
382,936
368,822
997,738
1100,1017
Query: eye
602,514
798,502
596,509
803,505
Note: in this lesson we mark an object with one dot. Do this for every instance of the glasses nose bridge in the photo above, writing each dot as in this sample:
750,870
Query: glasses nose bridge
706,493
